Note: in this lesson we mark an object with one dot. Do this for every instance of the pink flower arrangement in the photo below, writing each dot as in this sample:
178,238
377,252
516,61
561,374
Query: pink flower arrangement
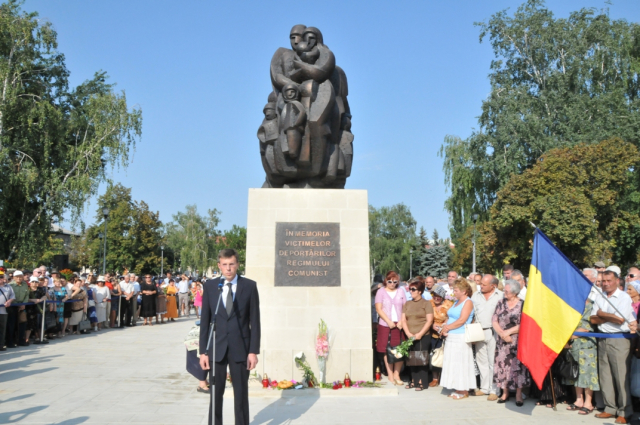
322,340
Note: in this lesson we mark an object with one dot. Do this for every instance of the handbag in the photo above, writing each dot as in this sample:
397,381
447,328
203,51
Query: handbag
22,316
419,357
473,332
84,324
568,366
392,357
437,356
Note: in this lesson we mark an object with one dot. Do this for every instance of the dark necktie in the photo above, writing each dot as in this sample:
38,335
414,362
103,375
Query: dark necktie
229,300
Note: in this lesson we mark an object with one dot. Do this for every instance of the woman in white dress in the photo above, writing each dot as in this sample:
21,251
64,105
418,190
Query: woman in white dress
457,368
102,295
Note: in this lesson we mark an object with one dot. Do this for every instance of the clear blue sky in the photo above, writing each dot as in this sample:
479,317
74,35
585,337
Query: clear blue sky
200,72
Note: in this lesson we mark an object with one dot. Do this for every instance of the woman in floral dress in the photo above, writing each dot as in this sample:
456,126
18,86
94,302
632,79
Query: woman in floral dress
509,374
585,351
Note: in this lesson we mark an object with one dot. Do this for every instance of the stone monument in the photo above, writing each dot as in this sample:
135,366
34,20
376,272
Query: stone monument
308,237
305,137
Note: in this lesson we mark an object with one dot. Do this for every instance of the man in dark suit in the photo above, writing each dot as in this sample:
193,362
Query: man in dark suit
237,334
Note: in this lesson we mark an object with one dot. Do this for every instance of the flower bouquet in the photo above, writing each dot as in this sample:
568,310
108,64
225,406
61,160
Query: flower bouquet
308,377
402,350
322,349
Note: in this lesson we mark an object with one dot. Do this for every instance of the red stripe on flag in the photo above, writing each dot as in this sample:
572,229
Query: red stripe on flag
536,356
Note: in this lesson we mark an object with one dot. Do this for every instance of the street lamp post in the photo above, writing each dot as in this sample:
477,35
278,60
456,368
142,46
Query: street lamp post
105,212
410,264
162,259
475,218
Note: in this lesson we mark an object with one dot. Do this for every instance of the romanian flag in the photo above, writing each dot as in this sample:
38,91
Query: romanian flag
555,300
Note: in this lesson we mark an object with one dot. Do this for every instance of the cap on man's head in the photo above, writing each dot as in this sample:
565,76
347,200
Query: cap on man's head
100,278
33,279
599,264
614,269
18,273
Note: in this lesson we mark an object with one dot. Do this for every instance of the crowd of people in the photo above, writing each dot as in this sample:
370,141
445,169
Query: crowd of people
437,312
38,306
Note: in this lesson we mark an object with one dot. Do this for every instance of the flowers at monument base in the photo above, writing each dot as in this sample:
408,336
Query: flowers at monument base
322,340
308,377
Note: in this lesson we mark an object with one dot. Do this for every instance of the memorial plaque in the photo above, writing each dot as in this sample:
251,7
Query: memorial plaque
307,254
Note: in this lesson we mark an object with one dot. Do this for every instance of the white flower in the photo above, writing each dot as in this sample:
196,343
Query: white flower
299,355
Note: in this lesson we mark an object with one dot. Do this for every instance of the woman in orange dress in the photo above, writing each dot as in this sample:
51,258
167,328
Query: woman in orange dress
440,306
172,305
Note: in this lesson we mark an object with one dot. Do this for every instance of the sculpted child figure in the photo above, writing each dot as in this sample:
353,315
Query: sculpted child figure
292,120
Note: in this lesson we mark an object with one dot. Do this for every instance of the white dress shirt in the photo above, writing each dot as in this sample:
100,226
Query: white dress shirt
225,290
183,286
622,301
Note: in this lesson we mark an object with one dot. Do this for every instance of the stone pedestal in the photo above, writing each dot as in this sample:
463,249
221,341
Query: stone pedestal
290,314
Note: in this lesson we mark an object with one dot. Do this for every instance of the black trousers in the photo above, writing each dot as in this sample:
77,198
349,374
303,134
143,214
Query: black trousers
3,328
125,312
15,330
420,374
240,382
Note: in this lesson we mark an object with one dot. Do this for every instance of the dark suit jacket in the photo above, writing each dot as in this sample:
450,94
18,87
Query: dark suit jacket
240,332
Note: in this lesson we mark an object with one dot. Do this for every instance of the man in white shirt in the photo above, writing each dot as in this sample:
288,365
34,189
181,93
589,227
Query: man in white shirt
168,278
613,353
485,302
126,311
451,279
135,311
183,296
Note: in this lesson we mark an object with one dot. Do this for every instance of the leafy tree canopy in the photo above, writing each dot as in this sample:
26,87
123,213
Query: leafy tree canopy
583,198
192,237
555,82
134,235
55,141
392,234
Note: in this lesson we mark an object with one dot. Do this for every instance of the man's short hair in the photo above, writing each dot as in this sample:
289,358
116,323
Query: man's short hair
495,281
516,272
227,253
610,272
507,267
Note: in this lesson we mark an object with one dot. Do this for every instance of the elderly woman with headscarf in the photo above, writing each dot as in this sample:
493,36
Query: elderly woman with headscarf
389,303
633,289
508,373
458,371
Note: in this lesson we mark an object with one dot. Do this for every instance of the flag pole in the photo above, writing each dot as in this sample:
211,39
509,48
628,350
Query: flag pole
553,390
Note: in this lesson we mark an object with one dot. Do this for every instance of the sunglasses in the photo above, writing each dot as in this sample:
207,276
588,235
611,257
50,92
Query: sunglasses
392,281
413,289
632,275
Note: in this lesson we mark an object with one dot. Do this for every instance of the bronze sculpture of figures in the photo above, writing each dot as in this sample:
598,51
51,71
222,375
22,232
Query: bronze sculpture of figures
305,137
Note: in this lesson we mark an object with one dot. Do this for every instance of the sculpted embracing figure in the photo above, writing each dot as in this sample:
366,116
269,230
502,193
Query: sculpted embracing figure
313,145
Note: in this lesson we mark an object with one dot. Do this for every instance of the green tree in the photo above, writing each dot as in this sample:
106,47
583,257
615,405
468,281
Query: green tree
583,198
192,238
392,234
434,261
555,82
55,142
134,234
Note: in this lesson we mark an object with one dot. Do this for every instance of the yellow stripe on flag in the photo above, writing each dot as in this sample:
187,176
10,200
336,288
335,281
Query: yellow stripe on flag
555,317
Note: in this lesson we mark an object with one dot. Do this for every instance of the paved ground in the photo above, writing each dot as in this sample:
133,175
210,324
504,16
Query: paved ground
138,376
